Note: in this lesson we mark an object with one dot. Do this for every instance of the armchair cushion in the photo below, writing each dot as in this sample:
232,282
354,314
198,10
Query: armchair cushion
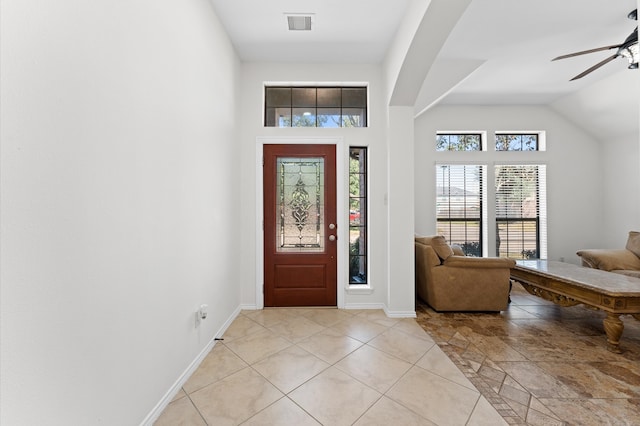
457,250
610,259
439,244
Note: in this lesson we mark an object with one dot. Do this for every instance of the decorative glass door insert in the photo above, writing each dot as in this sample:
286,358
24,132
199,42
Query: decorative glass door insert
300,198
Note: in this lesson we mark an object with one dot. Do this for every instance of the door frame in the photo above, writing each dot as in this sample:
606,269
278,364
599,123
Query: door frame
342,156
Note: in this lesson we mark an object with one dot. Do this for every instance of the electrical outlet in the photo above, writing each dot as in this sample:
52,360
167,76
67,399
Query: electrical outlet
203,311
201,314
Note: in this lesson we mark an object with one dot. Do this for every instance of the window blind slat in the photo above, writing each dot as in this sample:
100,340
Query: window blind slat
518,213
459,205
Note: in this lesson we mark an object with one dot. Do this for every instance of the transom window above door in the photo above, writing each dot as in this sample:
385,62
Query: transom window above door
287,106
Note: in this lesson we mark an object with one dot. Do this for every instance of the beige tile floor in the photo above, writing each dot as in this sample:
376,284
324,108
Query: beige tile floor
533,364
327,367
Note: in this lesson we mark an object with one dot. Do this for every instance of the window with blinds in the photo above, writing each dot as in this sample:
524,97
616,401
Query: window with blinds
520,192
459,204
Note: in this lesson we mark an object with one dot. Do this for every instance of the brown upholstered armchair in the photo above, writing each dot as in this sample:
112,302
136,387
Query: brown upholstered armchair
450,281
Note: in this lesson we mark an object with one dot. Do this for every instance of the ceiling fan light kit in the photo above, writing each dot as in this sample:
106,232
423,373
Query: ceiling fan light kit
627,49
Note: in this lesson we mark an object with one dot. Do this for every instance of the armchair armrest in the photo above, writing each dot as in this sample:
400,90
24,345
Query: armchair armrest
479,262
609,259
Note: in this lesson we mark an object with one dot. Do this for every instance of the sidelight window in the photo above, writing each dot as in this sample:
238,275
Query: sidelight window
358,215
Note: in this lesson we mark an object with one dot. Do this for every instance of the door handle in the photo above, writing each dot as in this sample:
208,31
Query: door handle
332,237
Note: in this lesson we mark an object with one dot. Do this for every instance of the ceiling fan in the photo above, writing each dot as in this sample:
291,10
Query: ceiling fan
627,49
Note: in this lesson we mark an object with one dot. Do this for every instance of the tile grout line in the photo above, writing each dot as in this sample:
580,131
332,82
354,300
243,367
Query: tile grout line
196,407
363,344
484,389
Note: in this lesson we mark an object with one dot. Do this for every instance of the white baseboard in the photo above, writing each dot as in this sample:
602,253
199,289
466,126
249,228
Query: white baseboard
364,306
400,314
173,391
249,307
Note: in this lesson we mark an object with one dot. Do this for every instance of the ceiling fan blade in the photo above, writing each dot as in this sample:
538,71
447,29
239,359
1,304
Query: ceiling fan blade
595,67
584,52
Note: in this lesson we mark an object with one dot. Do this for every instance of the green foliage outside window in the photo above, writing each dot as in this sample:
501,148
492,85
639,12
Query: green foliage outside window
516,142
358,215
458,142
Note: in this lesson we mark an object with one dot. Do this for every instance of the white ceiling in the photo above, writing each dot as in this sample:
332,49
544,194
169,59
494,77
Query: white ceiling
499,52
349,31
518,39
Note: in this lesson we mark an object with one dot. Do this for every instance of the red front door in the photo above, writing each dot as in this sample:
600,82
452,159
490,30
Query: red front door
300,230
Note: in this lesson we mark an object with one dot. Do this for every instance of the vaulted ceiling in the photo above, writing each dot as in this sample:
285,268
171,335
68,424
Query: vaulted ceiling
499,53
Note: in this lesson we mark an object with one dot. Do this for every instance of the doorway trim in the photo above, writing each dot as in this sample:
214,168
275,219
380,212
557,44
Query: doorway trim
342,156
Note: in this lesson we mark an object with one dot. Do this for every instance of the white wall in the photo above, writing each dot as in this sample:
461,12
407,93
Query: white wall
254,77
118,181
621,198
574,168
400,146
609,110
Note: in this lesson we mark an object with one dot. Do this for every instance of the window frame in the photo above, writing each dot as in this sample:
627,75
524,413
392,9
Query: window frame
491,222
311,106
539,220
480,219
362,224
540,140
481,140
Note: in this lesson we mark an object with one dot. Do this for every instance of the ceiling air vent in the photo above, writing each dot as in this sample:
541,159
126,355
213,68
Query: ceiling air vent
299,22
